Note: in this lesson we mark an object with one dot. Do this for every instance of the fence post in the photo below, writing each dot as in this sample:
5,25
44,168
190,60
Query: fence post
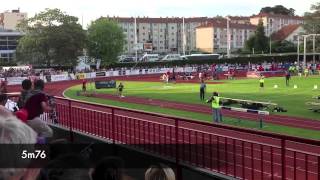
283,158
113,126
179,173
70,122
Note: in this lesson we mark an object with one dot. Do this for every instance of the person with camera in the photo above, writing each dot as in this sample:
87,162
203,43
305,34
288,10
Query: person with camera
216,108
35,105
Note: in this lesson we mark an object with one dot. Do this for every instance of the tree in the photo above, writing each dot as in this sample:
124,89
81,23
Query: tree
278,9
258,42
51,38
105,40
283,47
312,24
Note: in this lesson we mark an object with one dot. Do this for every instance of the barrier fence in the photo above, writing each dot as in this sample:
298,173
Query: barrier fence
232,151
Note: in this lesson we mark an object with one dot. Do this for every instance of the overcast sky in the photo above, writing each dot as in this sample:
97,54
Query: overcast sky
92,9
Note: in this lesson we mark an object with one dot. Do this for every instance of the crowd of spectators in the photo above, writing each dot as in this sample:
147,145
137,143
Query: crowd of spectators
225,67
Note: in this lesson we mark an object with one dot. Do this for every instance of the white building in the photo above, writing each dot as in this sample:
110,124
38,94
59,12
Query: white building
10,20
165,34
273,23
289,33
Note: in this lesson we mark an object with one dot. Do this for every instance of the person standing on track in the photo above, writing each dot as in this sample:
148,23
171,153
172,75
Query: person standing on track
84,85
202,90
261,80
288,76
120,89
216,108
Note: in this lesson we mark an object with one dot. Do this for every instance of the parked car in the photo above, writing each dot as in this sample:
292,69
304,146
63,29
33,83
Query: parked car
150,57
172,57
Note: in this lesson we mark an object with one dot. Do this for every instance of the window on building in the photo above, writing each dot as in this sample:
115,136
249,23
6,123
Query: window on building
161,36
161,42
172,27
172,40
143,33
143,27
131,36
131,42
172,34
125,30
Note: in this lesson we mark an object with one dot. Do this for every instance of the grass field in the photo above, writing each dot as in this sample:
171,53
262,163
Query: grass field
291,99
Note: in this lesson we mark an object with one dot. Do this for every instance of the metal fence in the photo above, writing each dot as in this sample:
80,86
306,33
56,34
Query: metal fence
232,151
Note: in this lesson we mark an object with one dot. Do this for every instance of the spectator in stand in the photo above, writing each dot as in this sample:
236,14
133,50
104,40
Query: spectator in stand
66,167
15,132
35,105
109,168
26,89
3,99
3,87
159,172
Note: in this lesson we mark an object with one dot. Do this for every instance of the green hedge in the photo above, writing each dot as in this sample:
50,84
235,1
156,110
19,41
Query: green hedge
241,60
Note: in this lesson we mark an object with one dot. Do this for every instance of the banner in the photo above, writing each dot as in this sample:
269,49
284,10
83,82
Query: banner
15,80
72,76
101,74
62,77
105,84
89,75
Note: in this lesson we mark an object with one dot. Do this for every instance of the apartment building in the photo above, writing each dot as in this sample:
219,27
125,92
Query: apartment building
165,34
10,20
273,23
212,37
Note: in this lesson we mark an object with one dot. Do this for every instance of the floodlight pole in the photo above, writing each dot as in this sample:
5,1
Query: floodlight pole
305,47
314,48
228,37
135,38
304,51
298,51
183,37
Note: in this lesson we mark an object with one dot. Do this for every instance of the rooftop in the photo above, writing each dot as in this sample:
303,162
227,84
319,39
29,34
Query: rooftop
223,24
160,19
284,32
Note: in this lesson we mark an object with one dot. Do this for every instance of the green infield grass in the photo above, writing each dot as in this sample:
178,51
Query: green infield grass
287,97
293,100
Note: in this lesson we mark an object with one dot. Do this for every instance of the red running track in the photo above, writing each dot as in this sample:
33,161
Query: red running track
57,88
233,153
208,146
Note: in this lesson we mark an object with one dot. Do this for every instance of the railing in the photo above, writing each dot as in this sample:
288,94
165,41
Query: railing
232,151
